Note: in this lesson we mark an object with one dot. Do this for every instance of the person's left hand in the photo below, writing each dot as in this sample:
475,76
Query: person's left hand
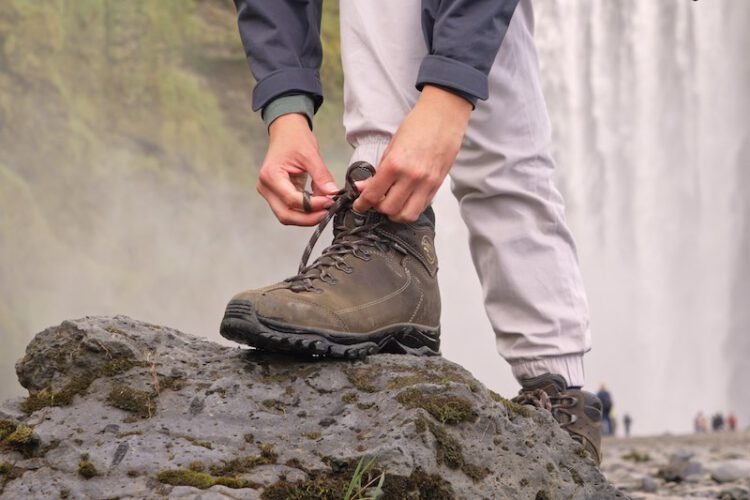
418,158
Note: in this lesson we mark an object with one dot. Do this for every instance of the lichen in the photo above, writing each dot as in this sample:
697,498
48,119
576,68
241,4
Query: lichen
448,451
140,403
446,408
197,442
314,436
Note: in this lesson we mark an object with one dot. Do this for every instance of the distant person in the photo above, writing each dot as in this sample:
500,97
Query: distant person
731,422
627,422
700,424
606,398
717,422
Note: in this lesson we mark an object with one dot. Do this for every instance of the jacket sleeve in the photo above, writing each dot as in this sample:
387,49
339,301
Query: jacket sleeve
463,37
282,44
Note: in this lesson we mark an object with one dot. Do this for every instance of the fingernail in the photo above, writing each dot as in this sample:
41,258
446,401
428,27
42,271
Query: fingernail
331,187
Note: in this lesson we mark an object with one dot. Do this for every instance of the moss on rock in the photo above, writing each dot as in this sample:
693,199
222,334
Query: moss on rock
140,403
446,408
512,407
201,480
86,469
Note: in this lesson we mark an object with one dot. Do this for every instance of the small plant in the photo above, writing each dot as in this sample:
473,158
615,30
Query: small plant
356,491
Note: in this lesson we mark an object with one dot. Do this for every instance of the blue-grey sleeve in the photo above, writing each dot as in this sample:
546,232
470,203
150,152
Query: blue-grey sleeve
282,44
463,37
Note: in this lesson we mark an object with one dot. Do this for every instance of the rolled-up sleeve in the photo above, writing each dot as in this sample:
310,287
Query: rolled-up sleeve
282,43
463,37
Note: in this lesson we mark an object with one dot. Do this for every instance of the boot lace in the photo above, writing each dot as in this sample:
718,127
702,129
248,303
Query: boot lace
560,406
346,241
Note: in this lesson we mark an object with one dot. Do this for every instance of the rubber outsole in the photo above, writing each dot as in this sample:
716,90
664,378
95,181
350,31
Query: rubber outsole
242,324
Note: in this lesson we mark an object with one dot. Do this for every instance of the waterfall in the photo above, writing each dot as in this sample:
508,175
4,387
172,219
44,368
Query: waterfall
650,108
651,112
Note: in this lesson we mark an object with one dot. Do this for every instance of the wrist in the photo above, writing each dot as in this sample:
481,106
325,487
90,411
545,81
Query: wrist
446,101
288,123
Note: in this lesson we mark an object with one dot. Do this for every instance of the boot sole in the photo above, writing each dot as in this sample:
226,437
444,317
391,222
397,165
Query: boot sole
242,324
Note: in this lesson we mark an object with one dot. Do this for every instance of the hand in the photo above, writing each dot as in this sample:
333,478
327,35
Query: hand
293,154
418,158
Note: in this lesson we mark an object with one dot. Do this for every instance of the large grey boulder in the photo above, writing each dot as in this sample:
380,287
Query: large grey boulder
125,409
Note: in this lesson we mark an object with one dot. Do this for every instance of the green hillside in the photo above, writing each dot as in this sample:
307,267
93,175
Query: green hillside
96,95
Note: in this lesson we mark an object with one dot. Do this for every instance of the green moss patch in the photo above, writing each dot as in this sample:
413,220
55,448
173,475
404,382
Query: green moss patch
7,427
140,403
201,480
86,469
332,485
513,408
77,385
446,408
18,437
362,378
449,452
245,464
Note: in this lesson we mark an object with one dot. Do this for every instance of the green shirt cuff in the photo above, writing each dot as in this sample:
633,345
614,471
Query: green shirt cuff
284,105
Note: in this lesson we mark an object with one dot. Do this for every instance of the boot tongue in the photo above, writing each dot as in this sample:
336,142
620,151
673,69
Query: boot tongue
357,171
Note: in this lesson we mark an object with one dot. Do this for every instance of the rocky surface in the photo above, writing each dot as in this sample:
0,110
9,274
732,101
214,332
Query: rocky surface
124,409
715,465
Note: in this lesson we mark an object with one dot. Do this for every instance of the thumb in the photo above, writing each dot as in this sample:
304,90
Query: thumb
322,180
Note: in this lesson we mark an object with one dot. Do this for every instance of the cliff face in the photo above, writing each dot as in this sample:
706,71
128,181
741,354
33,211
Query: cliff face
121,408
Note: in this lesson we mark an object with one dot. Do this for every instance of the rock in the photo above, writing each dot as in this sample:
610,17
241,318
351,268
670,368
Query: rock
732,470
121,408
736,493
648,485
680,468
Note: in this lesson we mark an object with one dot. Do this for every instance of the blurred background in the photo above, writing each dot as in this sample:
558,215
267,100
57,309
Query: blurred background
128,157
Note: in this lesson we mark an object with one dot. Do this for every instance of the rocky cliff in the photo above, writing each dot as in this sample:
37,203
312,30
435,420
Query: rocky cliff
123,409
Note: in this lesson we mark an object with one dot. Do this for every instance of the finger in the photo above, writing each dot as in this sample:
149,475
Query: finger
281,186
413,208
374,191
292,217
395,199
322,180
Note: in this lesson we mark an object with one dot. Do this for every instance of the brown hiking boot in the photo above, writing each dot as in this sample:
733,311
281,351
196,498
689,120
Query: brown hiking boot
578,412
374,289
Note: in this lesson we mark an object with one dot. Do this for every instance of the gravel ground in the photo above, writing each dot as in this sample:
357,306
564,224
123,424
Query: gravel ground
714,465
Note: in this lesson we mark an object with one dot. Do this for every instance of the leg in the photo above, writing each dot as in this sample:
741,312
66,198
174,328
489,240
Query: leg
521,247
381,50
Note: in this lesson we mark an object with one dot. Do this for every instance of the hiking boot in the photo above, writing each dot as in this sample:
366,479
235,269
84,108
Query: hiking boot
578,412
374,289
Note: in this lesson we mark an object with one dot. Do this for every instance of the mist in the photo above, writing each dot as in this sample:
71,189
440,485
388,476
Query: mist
650,110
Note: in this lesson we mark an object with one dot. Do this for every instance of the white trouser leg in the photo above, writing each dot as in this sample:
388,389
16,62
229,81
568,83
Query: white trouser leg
520,244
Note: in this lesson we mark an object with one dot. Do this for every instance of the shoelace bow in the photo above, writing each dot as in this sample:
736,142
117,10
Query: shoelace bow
343,244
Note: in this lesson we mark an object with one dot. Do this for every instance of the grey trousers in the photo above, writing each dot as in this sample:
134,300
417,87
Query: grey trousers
522,249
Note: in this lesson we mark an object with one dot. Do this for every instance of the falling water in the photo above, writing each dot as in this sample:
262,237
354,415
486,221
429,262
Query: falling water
651,111
650,103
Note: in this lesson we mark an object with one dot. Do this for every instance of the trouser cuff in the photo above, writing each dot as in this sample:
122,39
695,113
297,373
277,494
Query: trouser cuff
570,367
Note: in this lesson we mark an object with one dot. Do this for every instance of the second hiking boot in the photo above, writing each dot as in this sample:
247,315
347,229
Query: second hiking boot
374,289
578,412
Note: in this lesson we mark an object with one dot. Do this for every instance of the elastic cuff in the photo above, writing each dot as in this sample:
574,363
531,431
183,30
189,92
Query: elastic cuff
287,104
466,80
288,81
570,367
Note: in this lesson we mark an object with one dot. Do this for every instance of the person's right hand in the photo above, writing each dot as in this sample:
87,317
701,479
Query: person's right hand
292,154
